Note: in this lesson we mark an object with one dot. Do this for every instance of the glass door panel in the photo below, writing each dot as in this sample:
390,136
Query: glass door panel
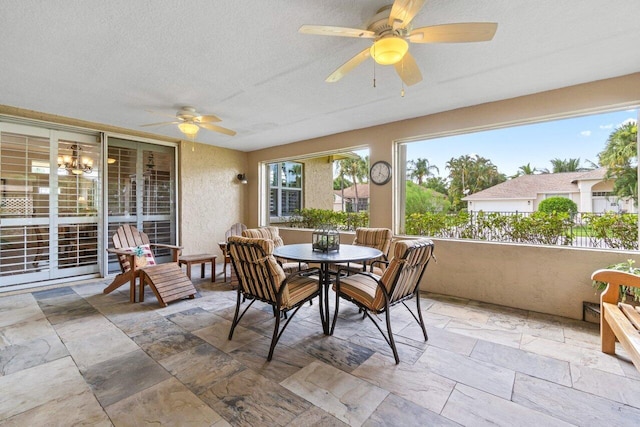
141,192
43,200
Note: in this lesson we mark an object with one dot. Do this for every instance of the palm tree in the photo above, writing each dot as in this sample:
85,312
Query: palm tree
620,157
526,170
356,169
420,169
567,165
469,174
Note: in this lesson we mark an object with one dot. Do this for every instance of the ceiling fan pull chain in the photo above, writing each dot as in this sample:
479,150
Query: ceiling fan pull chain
402,79
374,67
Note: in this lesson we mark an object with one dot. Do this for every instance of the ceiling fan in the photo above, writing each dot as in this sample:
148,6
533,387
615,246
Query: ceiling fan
189,122
391,31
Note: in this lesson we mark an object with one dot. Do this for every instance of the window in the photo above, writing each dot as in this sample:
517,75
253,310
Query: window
323,188
285,189
488,185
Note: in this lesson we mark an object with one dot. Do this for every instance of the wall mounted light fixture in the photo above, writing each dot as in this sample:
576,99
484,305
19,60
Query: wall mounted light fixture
242,178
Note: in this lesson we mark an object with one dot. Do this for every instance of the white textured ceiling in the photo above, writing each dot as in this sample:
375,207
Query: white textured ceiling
243,60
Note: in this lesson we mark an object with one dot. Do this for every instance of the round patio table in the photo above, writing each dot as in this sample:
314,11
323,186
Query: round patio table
346,253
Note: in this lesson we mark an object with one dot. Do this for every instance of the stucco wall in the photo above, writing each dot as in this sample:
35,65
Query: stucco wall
211,198
544,279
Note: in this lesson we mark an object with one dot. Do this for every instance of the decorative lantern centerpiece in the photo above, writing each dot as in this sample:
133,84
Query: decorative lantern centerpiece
326,239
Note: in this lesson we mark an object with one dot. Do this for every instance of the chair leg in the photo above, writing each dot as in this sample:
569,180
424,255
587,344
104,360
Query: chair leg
392,343
274,339
335,314
422,325
235,316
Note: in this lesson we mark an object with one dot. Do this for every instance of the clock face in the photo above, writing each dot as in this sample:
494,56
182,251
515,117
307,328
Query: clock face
380,173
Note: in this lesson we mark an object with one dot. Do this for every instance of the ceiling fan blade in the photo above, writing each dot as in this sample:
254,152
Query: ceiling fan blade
408,70
217,129
403,11
160,124
454,33
348,66
208,118
325,30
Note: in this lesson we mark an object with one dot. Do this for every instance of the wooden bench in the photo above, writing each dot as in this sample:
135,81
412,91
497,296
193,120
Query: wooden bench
618,320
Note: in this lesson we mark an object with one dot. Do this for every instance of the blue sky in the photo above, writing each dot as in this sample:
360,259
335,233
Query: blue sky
536,144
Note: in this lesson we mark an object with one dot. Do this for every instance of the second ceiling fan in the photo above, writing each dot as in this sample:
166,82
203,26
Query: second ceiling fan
391,31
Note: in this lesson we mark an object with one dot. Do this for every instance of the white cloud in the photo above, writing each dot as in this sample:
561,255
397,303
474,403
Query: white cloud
609,126
585,133
629,120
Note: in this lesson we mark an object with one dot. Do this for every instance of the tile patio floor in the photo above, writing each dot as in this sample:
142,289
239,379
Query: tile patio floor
74,356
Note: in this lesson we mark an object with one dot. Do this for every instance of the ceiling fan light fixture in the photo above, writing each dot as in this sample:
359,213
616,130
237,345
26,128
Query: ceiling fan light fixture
189,129
389,50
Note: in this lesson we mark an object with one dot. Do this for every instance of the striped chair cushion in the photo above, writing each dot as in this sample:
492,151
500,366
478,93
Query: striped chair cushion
361,288
364,289
273,233
378,238
298,289
257,271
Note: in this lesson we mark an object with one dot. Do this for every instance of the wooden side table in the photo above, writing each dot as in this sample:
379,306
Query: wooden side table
201,259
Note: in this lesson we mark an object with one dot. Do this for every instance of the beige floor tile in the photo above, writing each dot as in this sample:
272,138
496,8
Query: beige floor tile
199,367
571,405
28,312
95,342
485,332
29,388
481,375
348,398
167,403
515,359
471,407
604,384
420,386
75,410
249,399
31,353
571,353
19,333
218,336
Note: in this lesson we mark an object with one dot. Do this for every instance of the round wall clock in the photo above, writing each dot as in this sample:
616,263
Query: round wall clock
380,172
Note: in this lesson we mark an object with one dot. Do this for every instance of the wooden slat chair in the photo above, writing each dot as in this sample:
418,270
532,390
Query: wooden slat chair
377,294
378,238
273,233
261,278
168,281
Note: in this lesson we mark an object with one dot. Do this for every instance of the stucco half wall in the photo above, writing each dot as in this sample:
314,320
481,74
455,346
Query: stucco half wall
544,279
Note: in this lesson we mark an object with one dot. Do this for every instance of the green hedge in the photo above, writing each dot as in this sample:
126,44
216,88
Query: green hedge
314,218
609,230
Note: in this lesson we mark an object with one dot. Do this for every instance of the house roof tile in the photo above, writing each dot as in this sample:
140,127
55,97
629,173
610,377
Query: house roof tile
529,186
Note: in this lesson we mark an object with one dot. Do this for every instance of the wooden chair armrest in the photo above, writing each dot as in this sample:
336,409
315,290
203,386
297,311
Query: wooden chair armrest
614,279
162,245
120,252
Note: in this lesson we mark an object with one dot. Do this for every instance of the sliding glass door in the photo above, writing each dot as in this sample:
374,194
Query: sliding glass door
141,191
49,204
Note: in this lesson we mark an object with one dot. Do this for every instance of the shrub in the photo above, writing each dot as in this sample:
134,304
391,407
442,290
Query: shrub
558,204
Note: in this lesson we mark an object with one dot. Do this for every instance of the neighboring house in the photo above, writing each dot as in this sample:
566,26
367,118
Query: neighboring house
348,204
589,190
